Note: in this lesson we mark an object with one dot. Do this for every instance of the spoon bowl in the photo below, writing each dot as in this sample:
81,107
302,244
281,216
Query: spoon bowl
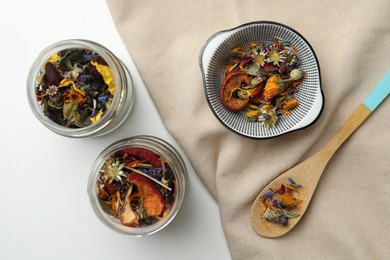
308,172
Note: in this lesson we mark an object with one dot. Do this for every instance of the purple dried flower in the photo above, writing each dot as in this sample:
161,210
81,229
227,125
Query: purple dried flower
88,57
276,203
103,99
83,78
93,112
291,181
283,220
269,193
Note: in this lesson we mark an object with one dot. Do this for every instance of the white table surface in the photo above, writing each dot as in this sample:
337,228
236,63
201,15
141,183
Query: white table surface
45,211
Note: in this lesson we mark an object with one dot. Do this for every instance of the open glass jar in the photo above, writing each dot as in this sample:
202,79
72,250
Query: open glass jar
78,88
137,185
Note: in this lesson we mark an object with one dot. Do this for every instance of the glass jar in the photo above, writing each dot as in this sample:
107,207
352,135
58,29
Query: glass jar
106,66
109,196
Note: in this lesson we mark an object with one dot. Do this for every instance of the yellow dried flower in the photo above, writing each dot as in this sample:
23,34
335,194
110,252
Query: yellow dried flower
252,114
66,82
54,58
107,75
275,56
97,117
290,104
273,87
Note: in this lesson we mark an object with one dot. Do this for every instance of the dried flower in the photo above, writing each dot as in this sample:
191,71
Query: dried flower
97,117
296,74
293,183
292,58
273,87
113,171
252,114
52,90
260,57
268,116
73,96
291,103
275,56
281,189
54,58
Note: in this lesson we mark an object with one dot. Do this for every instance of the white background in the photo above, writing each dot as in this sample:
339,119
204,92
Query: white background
45,211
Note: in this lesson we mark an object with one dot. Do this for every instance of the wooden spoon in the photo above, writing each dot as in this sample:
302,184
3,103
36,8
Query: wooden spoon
309,172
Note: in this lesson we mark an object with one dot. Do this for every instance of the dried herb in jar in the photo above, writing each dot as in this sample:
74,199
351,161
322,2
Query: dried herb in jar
75,87
138,187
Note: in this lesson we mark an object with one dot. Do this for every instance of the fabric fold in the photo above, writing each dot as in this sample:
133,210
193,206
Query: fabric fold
347,218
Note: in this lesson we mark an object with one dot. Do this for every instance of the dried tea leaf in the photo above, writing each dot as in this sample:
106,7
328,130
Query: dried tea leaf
69,109
253,69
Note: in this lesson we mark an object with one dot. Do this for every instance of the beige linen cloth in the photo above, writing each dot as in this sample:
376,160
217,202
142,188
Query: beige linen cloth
349,215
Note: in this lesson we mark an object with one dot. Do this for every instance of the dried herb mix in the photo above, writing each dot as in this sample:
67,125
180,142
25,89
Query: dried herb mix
280,203
75,87
136,186
261,81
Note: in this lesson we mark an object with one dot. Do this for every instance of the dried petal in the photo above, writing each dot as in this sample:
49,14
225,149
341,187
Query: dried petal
269,193
107,75
144,154
286,200
281,189
273,87
52,76
97,117
293,183
54,58
290,104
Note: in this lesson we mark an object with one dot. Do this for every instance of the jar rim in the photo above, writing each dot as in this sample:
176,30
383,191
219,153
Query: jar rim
118,97
158,146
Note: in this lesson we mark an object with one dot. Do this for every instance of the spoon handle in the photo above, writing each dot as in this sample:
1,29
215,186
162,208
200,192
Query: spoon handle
379,93
376,96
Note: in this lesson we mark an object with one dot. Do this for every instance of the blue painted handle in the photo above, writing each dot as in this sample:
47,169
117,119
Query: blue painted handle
379,93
